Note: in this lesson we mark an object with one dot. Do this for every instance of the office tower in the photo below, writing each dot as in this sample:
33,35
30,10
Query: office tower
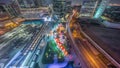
10,8
101,7
88,8
59,7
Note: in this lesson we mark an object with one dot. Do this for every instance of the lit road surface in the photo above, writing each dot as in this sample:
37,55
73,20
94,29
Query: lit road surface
89,60
107,39
93,60
88,53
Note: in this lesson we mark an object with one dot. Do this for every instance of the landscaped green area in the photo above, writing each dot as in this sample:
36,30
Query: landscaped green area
50,51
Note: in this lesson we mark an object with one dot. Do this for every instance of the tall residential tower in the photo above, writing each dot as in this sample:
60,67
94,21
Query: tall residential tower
93,8
101,7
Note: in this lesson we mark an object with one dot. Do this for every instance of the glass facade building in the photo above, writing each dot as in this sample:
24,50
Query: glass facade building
93,8
26,3
33,3
10,8
60,7
88,8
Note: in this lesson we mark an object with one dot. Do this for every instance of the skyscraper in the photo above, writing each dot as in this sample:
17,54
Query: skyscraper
10,8
93,8
61,7
101,7
88,8
33,3
26,3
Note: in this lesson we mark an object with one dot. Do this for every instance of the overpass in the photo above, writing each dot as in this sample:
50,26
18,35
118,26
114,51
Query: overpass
88,51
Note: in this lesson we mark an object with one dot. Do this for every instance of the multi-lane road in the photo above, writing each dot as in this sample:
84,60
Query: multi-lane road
106,38
89,55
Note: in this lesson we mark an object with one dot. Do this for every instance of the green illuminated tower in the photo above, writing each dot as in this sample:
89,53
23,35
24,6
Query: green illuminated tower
103,4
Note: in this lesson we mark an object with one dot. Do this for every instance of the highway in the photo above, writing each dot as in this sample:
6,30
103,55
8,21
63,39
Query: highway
106,38
89,56
76,50
89,53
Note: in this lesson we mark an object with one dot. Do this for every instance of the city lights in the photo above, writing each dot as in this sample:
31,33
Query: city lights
59,33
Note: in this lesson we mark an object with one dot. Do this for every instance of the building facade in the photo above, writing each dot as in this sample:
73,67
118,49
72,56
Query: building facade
61,7
3,14
93,8
112,13
88,8
8,9
26,3
33,3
